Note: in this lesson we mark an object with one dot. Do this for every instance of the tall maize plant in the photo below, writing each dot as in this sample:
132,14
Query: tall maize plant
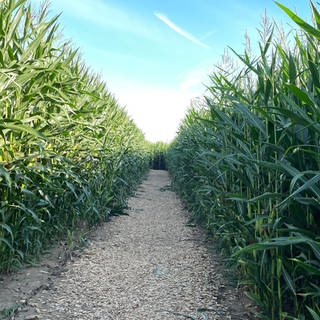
248,164
68,152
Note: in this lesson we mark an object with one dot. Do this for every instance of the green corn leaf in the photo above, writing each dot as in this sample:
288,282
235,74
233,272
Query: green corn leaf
6,175
300,94
251,117
282,242
307,267
33,46
15,23
309,184
314,315
293,75
314,71
288,279
8,229
18,127
316,14
249,64
266,195
23,207
7,243
304,25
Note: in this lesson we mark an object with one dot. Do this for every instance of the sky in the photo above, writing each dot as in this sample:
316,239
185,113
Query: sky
156,55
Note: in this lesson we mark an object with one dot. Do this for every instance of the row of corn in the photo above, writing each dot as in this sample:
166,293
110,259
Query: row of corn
69,155
246,161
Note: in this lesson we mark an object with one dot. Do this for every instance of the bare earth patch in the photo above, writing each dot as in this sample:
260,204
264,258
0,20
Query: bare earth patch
146,265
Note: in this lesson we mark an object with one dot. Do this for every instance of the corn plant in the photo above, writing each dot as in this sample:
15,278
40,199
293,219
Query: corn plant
247,164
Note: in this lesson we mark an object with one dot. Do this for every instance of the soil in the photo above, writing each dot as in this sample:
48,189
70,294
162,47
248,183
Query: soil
149,264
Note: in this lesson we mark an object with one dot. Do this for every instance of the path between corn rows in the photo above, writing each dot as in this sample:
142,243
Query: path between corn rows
147,265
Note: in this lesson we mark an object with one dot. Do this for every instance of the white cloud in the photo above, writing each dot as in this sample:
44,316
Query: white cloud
195,78
156,110
180,31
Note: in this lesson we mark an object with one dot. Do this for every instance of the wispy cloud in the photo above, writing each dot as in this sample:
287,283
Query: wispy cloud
106,15
208,35
179,30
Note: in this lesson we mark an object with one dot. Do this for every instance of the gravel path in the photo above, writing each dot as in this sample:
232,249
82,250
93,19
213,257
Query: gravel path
147,265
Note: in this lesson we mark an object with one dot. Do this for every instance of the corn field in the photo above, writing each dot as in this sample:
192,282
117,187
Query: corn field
247,163
158,155
69,154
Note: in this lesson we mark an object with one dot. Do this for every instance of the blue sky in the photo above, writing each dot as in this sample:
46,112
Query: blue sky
156,55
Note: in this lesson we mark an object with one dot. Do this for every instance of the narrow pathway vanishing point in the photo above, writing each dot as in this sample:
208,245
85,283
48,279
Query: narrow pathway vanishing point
148,264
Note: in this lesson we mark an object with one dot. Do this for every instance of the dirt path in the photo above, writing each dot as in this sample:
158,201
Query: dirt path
147,265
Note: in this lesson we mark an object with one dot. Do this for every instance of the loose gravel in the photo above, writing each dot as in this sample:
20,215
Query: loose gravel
149,264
